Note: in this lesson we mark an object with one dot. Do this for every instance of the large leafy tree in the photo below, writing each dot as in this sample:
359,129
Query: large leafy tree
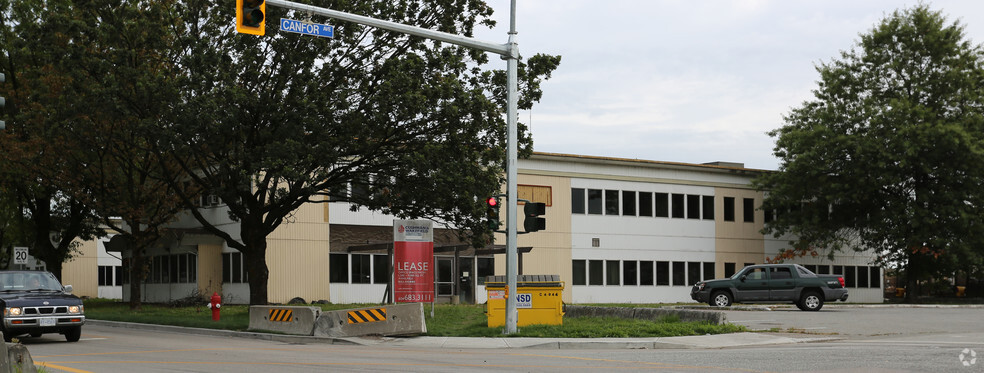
122,57
271,123
889,155
41,104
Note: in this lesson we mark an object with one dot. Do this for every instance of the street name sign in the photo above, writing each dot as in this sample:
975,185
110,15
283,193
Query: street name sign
307,28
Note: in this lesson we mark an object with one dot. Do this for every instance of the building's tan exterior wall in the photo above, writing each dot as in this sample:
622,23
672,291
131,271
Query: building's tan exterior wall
738,241
297,257
551,253
209,269
83,270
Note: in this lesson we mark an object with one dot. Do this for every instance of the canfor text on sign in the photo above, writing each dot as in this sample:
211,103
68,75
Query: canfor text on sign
307,28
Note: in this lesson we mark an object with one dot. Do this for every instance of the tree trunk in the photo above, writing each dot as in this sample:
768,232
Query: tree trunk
256,268
136,279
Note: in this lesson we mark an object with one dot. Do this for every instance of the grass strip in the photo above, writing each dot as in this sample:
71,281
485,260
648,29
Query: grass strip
448,320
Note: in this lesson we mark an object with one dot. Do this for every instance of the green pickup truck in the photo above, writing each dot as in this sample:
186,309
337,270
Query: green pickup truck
772,283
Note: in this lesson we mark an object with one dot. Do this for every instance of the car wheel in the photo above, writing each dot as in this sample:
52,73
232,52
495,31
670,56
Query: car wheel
73,334
8,336
721,299
811,301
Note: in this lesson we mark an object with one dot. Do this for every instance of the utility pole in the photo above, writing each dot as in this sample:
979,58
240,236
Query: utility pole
509,52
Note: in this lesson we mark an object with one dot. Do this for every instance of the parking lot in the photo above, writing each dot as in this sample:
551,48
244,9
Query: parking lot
855,321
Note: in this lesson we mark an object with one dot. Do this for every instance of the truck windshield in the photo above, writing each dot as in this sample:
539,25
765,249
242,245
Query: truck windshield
25,281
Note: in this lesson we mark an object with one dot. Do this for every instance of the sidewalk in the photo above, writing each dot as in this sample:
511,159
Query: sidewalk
688,342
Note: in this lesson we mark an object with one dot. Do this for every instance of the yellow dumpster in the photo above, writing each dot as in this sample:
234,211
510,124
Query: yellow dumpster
900,292
538,300
961,291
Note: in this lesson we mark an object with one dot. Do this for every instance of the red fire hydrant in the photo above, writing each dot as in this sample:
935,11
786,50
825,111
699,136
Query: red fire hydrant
214,305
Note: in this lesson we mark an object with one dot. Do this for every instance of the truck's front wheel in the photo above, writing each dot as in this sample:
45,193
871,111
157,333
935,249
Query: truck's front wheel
720,299
811,301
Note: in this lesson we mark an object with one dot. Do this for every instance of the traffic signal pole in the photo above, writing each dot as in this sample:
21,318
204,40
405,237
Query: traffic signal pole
509,52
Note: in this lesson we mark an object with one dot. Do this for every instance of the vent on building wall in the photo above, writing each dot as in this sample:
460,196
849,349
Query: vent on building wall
595,242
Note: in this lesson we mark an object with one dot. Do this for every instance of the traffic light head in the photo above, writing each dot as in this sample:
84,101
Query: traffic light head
492,212
250,16
533,222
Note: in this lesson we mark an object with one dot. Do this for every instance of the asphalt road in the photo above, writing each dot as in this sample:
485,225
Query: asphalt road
871,340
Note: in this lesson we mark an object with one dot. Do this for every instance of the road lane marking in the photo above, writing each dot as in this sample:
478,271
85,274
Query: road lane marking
59,367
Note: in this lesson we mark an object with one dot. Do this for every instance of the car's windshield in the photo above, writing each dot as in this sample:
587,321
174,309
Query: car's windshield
24,281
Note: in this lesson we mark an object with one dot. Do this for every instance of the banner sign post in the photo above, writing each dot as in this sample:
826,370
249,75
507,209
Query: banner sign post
413,261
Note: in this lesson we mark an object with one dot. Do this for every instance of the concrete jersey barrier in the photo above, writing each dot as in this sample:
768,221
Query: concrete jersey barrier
294,320
386,320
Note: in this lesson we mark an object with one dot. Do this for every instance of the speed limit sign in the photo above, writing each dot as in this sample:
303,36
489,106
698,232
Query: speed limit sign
20,255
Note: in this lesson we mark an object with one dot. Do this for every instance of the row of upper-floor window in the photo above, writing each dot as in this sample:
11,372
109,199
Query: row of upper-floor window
657,204
677,273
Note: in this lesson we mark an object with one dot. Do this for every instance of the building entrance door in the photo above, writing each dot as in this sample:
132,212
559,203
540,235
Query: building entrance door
444,276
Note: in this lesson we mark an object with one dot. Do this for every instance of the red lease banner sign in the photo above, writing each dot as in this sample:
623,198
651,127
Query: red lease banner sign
413,261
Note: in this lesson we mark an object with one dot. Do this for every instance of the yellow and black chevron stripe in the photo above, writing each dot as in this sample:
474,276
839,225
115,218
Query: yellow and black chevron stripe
367,315
279,314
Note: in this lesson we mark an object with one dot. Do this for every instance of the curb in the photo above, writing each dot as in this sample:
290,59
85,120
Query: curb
225,333
687,342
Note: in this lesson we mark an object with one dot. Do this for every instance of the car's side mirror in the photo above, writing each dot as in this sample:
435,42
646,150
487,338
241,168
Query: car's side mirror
68,289
742,278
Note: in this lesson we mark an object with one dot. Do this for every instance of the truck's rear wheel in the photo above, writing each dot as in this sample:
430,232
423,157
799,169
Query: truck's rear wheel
720,299
811,301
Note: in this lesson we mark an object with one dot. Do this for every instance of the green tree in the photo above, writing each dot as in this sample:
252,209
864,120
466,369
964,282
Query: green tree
122,58
888,155
41,104
272,123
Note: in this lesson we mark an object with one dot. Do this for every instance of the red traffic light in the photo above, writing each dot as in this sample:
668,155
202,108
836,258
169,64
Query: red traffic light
492,201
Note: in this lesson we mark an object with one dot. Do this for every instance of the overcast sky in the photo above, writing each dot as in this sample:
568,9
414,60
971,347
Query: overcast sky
689,81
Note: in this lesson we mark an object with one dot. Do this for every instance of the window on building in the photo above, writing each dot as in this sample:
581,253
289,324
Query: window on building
612,272
628,203
693,273
693,206
863,277
662,273
678,206
708,207
596,272
630,273
338,266
729,208
811,267
679,274
380,268
611,202
361,263
875,279
708,271
579,271
486,267
577,201
748,208
105,276
850,278
729,269
646,273
823,269
645,204
595,202
232,268
662,205
769,216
